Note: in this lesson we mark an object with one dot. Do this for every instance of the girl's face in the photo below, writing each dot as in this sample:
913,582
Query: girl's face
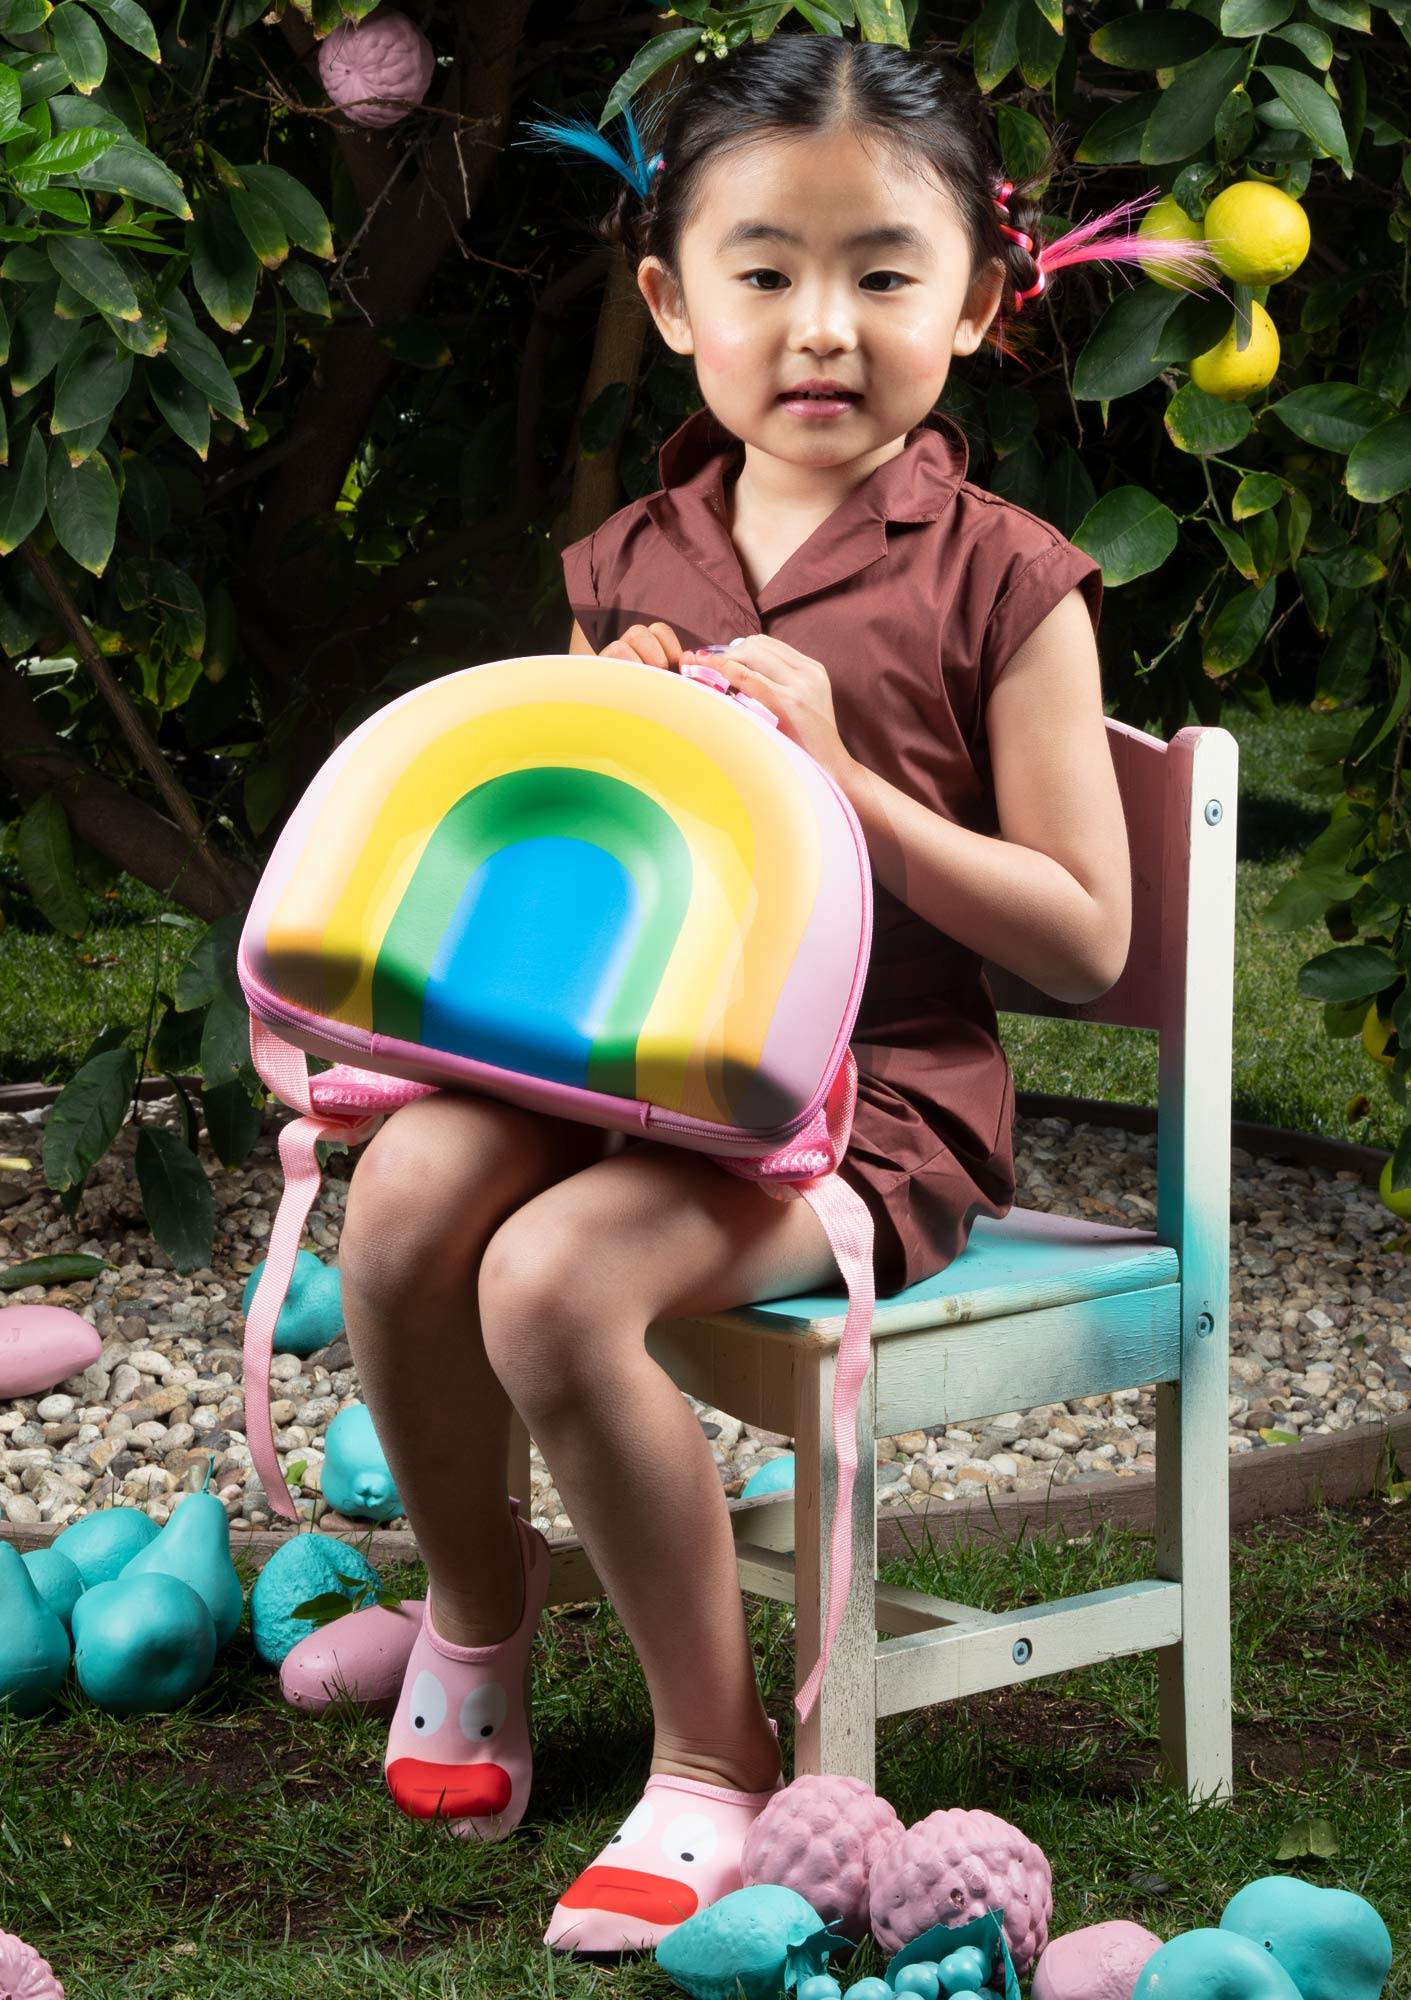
811,259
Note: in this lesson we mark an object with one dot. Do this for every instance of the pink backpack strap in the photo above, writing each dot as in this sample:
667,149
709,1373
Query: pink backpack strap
807,1169
341,1102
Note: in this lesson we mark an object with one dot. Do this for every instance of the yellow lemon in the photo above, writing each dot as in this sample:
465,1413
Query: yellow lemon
1376,1033
1233,375
1258,233
1167,222
1400,1203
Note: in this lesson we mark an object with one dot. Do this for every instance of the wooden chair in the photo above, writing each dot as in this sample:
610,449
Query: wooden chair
1038,1308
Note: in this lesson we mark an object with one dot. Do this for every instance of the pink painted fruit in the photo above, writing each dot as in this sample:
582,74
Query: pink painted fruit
41,1346
24,1975
820,1837
384,57
1100,1962
360,1657
952,1867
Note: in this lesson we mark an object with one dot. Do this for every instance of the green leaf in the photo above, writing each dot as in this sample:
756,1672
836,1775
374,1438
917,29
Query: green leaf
83,507
223,266
1183,123
40,339
92,380
77,152
306,287
1196,326
1315,593
1201,424
1351,972
1160,38
86,1117
1385,367
1118,357
209,968
881,21
1115,137
1068,490
127,168
183,406
1236,631
1253,17
233,1123
225,1041
652,56
1129,532
1314,110
303,220
9,98
1256,492
176,1196
1041,49
1347,659
79,45
1309,41
200,360
996,45
1355,14
1011,418
44,850
1274,1437
22,494
128,21
92,270
1331,415
66,1267
1303,900
1236,548
1023,142
1379,464
1352,567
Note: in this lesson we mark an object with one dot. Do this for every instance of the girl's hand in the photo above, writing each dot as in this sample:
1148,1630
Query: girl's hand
653,645
795,687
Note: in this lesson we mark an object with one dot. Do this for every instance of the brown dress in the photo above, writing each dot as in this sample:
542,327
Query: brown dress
913,593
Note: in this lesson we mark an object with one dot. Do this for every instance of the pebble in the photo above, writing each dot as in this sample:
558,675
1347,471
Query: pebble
1320,1339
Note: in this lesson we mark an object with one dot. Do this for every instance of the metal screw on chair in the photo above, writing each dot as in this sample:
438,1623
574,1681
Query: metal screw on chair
1214,812
1023,1652
1204,1325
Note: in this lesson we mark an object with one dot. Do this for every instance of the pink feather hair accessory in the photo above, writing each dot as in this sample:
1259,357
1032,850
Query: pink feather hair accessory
1110,238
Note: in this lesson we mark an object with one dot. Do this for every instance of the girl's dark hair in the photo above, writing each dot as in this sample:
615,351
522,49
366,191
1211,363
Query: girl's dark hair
910,99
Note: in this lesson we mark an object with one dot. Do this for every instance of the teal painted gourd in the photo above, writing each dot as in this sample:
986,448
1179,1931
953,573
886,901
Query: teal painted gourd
312,1313
303,1567
356,1478
143,1644
56,1579
1332,1943
34,1647
195,1545
776,1475
1213,1965
101,1544
744,1937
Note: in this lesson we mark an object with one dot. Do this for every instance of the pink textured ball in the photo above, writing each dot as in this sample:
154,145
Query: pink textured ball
386,56
820,1837
1100,1962
23,1973
953,1866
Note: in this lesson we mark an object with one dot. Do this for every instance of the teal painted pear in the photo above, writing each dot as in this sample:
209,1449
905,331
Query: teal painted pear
302,1568
1331,1943
1213,1965
195,1545
143,1644
312,1313
57,1580
101,1544
356,1478
34,1647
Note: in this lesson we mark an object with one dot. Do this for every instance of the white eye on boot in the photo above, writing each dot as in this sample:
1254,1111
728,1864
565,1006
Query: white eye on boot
427,1708
637,1823
689,1837
483,1712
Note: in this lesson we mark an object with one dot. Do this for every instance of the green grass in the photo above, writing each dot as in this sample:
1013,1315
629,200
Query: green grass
241,1850
1286,1071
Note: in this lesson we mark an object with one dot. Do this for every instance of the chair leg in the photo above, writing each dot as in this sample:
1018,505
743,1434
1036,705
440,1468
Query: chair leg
840,1735
1193,1548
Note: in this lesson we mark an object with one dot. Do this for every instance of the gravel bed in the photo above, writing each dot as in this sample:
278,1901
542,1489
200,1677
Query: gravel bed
1320,1337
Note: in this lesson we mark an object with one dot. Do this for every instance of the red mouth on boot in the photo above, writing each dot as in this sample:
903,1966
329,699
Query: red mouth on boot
628,1892
450,1791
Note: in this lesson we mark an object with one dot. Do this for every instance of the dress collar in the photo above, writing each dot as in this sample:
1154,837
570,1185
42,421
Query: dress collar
917,484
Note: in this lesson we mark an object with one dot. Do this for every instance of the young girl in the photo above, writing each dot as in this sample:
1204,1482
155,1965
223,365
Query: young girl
823,231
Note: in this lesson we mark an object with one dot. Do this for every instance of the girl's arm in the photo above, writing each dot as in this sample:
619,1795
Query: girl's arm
1050,898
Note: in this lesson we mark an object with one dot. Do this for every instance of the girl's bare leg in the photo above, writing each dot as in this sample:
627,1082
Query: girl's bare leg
427,1194
568,1286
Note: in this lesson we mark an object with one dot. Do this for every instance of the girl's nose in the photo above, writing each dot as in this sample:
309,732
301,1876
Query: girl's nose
823,322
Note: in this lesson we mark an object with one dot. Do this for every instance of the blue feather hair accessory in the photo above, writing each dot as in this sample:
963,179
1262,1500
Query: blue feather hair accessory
579,135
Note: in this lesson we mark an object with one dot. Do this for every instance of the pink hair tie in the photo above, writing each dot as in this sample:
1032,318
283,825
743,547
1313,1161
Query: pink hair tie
1002,191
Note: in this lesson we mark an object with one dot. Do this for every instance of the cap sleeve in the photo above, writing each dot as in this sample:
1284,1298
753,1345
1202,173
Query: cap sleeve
1040,581
580,576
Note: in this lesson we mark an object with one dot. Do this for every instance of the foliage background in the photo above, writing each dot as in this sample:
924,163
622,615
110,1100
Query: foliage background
296,415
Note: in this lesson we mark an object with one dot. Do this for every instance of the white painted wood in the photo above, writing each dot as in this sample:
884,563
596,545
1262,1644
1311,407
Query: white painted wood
768,1573
928,1667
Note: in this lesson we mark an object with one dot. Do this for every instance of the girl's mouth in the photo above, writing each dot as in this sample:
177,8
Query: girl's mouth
817,403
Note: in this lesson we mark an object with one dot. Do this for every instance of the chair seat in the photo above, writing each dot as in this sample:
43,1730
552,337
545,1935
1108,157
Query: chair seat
1026,1262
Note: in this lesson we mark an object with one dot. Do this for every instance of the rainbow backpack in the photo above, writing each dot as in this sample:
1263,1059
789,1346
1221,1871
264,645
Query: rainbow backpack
597,890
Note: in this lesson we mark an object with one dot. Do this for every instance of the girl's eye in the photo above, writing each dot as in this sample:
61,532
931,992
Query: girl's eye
763,274
900,278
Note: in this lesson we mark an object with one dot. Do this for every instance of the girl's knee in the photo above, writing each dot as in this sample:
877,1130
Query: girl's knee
543,1315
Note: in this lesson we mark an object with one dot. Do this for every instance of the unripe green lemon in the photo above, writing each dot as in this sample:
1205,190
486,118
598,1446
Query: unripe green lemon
1168,222
1376,1033
1399,1204
1232,374
1258,234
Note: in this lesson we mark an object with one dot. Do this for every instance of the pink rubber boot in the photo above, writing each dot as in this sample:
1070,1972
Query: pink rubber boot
458,1747
676,1852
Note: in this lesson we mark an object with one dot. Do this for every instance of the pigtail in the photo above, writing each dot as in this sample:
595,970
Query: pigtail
1109,237
628,219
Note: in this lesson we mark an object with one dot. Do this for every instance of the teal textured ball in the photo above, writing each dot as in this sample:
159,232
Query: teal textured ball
101,1544
312,1313
869,1989
963,1972
356,1478
56,1579
143,1644
1331,1942
776,1475
305,1566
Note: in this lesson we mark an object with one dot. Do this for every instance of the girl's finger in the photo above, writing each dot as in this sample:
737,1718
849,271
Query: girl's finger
669,642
